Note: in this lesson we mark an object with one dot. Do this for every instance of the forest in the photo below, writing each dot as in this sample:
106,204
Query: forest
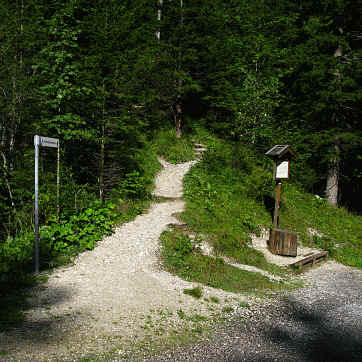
108,77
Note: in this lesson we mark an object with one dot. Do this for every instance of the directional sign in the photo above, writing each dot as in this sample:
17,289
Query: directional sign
48,142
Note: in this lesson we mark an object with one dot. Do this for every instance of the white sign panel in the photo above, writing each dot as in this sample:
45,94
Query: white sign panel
282,170
48,142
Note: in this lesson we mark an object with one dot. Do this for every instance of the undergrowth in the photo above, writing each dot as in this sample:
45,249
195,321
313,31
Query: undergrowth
322,226
62,240
225,195
183,258
230,194
173,149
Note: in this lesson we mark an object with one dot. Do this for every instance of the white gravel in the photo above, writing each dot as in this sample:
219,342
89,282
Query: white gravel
169,183
92,305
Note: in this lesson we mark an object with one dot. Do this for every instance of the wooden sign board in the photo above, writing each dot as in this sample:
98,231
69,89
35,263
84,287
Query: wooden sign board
282,170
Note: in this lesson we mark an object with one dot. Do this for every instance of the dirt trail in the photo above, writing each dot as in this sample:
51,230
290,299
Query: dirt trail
102,301
96,303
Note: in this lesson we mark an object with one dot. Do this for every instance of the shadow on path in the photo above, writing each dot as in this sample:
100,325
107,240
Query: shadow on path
19,329
315,324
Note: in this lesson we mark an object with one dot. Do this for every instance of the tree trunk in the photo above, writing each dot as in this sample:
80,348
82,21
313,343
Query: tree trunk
178,107
334,164
333,178
5,172
159,15
178,120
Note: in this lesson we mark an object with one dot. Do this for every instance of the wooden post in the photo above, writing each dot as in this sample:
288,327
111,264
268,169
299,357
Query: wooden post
277,204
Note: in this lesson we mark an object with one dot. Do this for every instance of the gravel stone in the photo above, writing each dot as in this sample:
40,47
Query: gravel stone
91,306
320,322
101,302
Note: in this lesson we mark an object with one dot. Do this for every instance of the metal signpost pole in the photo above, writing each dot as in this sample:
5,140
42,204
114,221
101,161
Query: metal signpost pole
40,141
36,206
58,180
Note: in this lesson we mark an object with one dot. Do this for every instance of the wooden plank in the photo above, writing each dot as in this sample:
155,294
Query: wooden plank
313,259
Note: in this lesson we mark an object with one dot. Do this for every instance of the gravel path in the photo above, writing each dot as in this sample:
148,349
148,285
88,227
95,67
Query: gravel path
102,301
99,302
321,322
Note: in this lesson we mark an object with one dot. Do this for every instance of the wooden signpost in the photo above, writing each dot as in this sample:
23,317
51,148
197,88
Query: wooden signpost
40,141
281,242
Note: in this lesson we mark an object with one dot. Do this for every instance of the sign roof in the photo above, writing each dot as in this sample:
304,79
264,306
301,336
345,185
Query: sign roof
279,151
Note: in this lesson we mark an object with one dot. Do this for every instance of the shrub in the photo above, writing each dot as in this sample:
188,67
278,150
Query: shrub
174,149
80,232
15,255
133,185
194,292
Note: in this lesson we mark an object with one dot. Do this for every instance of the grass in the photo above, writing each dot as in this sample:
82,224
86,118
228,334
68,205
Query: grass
215,300
230,195
224,196
341,232
173,149
194,292
183,259
244,305
228,309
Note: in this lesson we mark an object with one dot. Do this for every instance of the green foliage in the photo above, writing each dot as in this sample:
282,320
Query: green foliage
228,309
194,292
215,300
80,232
175,150
15,255
133,185
338,230
94,75
244,305
225,194
67,237
190,265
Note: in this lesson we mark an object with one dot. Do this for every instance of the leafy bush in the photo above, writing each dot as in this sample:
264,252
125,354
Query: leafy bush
80,232
133,185
66,237
15,255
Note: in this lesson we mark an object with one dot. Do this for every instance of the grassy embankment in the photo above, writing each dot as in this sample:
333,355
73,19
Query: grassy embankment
226,196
